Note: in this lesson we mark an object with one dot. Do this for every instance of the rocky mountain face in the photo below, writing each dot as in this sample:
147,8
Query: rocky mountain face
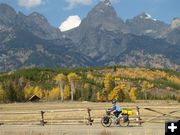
30,51
29,41
102,38
173,36
145,24
38,25
34,23
175,23
141,41
103,16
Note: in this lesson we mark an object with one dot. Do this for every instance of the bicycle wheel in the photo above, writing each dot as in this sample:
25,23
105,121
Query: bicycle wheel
106,121
124,121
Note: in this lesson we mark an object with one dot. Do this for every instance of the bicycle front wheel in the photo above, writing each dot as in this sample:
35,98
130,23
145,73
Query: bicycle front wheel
106,121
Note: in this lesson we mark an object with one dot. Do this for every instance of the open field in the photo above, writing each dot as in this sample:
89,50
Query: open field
24,118
146,129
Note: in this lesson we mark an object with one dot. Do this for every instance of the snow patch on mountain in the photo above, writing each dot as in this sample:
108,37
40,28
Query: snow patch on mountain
107,3
148,16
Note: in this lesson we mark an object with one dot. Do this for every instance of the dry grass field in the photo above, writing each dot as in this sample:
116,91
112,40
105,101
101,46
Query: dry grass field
69,118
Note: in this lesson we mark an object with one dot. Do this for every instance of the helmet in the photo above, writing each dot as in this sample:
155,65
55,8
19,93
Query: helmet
113,101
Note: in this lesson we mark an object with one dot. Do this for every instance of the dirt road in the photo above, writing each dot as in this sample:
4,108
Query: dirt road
145,129
29,113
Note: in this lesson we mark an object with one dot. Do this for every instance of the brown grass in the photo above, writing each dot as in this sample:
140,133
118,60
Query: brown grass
98,109
23,133
104,132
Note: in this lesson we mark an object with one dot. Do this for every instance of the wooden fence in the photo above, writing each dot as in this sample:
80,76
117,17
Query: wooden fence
85,116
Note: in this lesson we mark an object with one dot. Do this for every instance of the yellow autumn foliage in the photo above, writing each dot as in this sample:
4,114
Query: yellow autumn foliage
100,97
174,79
90,76
113,95
123,91
147,74
145,85
107,81
28,91
38,92
66,91
2,93
54,94
72,77
132,94
60,77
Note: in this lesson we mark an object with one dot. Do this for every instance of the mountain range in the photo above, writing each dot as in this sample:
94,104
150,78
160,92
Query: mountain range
102,38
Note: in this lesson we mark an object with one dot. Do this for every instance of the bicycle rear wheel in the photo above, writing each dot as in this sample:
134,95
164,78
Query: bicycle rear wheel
124,121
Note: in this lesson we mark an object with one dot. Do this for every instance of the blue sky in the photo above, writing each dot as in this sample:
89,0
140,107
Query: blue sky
56,11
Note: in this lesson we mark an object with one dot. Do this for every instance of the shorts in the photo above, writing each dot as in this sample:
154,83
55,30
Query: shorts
116,113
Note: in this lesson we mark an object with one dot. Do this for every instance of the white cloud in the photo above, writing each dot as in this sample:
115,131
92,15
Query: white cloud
70,23
74,3
29,3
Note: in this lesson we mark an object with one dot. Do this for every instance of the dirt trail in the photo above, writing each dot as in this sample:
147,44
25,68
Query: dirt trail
9,112
145,129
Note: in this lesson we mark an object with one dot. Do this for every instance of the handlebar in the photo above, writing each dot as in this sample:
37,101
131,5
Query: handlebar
108,112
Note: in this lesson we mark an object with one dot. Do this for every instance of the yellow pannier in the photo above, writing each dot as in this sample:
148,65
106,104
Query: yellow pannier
127,111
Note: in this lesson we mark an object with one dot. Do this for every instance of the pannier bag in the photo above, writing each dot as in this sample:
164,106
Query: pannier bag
127,111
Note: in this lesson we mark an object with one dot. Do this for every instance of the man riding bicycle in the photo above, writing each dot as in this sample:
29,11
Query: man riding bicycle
117,118
116,110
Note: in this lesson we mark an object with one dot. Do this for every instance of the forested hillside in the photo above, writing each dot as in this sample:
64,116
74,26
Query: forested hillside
90,84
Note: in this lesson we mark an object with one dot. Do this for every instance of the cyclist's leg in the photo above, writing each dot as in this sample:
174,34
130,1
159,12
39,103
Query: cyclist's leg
120,113
115,113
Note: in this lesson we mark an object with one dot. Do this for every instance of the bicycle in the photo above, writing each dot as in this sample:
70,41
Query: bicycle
108,118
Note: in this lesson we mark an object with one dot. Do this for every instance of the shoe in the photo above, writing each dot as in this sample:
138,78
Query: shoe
119,116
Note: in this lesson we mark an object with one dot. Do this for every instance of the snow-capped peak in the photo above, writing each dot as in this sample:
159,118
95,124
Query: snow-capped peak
107,3
147,16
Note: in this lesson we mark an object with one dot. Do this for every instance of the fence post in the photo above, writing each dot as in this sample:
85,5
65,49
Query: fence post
138,117
90,121
42,118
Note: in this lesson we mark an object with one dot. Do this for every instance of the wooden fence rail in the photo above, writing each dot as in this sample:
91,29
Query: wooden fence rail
138,118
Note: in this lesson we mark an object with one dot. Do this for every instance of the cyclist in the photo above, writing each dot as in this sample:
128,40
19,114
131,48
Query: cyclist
116,110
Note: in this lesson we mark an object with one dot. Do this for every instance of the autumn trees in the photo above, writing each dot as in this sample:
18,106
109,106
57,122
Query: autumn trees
66,86
73,78
145,86
2,94
60,80
95,84
123,92
64,89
